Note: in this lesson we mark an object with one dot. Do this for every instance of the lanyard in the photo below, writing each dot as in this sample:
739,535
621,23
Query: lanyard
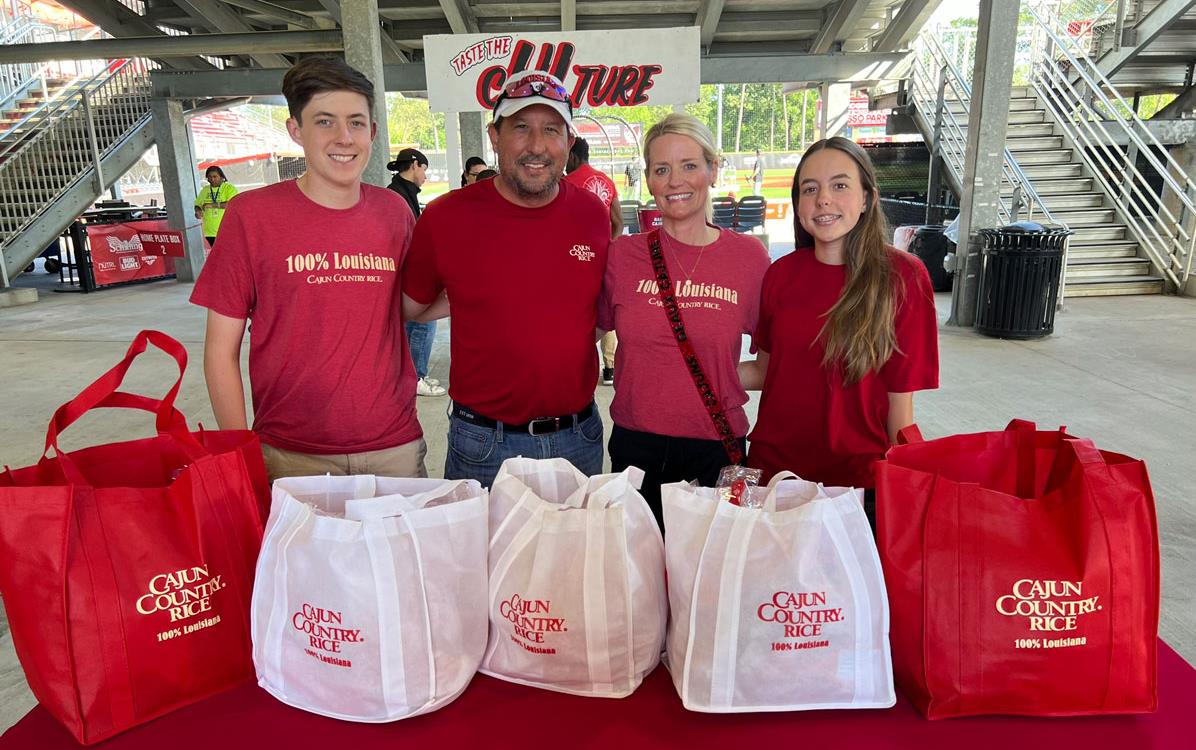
705,389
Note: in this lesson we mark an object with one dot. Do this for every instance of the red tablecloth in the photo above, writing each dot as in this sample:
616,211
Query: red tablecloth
496,714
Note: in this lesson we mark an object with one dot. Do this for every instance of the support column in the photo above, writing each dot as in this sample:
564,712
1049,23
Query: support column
452,147
836,97
473,139
988,121
177,166
363,50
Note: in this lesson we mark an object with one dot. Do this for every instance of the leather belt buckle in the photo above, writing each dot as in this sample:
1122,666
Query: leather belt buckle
553,424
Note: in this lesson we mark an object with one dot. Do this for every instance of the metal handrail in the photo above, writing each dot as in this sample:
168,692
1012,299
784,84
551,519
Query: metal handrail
32,75
1072,95
20,77
931,97
53,109
71,147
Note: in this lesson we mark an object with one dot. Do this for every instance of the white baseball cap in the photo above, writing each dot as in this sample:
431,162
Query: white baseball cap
534,87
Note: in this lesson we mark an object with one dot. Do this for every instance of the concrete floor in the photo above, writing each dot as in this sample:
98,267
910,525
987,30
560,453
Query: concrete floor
1119,370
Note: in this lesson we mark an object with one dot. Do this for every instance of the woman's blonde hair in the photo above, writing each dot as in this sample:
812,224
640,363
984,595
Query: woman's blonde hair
679,123
859,333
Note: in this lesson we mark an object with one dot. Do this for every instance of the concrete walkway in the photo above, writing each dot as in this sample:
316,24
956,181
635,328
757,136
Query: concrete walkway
1121,371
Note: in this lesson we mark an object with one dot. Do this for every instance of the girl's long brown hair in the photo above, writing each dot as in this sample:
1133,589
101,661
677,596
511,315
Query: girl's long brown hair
858,333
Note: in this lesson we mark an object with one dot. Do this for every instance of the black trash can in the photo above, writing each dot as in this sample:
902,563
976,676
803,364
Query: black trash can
1021,266
931,246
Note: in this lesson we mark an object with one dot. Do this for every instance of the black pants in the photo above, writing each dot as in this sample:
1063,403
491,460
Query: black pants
667,459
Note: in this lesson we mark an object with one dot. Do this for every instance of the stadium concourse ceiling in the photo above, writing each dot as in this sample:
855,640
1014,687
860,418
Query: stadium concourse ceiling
743,41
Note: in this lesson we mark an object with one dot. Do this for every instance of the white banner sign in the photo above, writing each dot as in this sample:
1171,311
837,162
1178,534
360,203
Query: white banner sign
623,68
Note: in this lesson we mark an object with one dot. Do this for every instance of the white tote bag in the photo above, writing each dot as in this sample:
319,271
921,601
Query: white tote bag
370,597
780,608
577,595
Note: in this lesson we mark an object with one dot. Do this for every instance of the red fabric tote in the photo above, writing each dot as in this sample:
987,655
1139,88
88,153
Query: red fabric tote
127,569
1023,574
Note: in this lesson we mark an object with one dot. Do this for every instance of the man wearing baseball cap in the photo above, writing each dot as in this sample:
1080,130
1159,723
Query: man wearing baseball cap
521,257
411,172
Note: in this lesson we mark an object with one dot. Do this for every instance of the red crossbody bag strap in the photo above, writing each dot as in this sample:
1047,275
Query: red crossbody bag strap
705,390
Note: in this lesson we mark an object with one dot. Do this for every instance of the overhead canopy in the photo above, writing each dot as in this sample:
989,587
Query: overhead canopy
742,41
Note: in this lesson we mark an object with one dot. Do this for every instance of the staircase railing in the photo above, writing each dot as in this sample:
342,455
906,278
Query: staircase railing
1095,117
72,145
18,78
937,87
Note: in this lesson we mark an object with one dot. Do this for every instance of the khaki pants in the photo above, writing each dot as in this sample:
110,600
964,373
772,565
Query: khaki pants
405,460
609,343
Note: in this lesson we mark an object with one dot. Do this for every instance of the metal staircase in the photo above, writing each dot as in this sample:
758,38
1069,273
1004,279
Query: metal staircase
1144,46
1062,165
85,140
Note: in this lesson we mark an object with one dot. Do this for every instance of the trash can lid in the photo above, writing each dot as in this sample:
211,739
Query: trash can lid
1025,226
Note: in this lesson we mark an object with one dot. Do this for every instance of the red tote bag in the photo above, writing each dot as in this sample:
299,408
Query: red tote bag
127,569
1023,574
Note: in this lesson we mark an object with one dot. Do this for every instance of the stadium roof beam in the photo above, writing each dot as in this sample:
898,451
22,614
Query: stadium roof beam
707,18
167,47
839,22
391,51
909,21
119,21
460,16
855,67
218,17
270,10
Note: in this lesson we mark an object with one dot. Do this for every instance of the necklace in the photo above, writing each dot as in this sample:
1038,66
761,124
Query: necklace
677,260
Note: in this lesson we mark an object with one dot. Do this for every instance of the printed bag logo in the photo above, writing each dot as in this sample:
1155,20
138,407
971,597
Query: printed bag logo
531,623
182,594
1050,607
801,614
326,634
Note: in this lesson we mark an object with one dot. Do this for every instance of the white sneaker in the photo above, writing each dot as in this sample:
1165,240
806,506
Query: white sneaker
432,381
423,387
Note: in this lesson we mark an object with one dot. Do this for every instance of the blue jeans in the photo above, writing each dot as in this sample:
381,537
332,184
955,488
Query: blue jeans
419,340
476,452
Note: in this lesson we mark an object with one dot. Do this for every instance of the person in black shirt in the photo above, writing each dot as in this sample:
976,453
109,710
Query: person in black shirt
411,171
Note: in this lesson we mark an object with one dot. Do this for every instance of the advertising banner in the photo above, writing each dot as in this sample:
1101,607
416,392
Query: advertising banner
119,253
618,68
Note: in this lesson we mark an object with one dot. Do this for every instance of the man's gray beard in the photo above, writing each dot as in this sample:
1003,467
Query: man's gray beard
522,189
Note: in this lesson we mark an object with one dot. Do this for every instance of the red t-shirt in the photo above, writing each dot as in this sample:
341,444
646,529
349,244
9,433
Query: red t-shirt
328,362
809,422
596,182
719,301
523,286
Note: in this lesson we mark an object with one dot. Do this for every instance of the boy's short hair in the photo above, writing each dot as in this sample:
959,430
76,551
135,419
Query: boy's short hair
319,74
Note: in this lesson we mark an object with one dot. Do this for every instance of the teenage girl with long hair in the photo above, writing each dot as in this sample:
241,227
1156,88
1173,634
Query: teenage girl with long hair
847,330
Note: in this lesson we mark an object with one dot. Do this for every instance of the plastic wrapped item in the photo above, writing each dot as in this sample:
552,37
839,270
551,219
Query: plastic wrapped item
733,484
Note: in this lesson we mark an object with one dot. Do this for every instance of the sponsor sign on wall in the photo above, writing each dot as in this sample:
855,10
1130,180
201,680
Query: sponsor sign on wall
119,253
622,68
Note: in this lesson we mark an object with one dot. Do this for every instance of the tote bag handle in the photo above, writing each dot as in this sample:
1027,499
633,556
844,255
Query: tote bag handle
99,394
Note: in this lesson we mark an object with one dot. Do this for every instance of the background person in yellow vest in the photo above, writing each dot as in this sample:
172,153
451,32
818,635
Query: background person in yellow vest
213,198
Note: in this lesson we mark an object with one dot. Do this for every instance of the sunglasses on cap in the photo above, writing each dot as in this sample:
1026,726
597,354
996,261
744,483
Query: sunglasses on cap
528,88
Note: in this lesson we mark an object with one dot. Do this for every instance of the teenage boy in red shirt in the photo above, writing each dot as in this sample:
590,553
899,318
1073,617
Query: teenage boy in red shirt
315,264
521,258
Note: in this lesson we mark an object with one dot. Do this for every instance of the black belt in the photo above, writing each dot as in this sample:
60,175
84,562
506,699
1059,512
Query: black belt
538,426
